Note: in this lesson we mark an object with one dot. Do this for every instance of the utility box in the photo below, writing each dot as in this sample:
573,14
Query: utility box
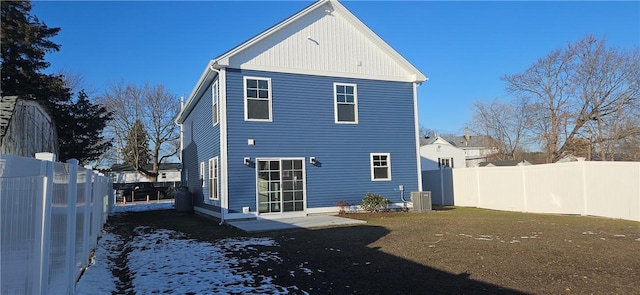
184,201
421,201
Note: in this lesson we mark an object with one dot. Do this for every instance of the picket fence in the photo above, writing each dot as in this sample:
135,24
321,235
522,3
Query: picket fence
607,189
51,215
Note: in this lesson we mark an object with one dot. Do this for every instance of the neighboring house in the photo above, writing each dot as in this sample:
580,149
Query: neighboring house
505,163
477,148
26,128
438,153
570,158
316,109
168,174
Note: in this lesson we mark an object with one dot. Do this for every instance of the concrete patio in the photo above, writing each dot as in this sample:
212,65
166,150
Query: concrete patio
314,221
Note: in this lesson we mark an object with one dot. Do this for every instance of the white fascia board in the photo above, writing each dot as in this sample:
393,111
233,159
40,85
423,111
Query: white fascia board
207,76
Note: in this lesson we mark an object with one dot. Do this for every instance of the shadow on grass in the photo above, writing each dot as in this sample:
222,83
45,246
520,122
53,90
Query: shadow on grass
442,208
335,260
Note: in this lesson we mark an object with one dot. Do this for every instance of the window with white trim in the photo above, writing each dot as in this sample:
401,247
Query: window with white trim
215,106
380,166
202,174
257,99
345,103
445,162
213,179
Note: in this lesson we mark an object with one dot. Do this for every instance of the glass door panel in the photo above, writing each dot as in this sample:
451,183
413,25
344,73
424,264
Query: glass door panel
280,186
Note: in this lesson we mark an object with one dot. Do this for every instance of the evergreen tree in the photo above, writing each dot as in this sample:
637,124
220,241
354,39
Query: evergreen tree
25,42
136,151
80,129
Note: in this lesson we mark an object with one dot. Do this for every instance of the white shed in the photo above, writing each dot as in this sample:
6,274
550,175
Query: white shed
439,153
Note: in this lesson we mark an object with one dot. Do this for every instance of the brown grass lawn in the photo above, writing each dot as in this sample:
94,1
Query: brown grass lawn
450,251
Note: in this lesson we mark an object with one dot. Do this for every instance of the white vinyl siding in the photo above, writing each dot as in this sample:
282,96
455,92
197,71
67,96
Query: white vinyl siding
380,166
257,99
213,179
215,103
345,103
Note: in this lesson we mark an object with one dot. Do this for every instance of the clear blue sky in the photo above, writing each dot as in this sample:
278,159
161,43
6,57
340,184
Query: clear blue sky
463,47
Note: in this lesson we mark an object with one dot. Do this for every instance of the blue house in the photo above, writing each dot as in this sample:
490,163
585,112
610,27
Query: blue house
316,109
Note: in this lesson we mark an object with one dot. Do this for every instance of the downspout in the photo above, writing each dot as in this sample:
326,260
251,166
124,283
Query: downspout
224,160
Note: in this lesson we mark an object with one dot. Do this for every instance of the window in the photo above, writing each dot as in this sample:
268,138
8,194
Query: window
215,103
346,103
164,175
202,174
445,162
213,179
380,167
257,99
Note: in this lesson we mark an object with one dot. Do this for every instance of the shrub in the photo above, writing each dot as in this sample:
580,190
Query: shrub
373,202
344,205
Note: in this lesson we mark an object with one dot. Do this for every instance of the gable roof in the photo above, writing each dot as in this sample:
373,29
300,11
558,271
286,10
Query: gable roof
474,141
439,140
284,40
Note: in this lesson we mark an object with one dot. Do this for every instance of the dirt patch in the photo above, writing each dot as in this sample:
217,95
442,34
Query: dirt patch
452,251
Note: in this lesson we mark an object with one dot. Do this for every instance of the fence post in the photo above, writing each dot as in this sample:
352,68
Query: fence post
44,227
524,188
477,169
71,222
584,188
86,223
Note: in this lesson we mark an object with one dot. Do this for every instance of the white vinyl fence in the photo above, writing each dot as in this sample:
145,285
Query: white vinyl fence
51,214
607,189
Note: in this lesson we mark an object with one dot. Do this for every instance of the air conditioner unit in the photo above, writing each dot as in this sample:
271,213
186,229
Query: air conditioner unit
421,201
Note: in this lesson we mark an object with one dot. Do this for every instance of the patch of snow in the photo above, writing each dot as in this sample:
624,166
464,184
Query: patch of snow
619,236
637,240
307,271
514,241
163,261
484,239
588,233
97,278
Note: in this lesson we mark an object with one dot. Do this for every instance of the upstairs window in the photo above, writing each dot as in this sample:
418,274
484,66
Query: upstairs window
380,167
346,103
257,99
215,103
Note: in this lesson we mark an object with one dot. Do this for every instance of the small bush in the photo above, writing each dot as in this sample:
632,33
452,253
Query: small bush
344,205
373,202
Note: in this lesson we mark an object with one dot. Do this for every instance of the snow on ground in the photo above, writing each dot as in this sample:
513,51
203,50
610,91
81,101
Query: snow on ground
163,261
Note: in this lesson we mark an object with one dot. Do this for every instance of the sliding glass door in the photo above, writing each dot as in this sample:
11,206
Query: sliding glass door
281,185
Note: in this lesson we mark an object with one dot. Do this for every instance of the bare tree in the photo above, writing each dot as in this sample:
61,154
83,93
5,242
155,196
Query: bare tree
581,91
507,123
161,107
155,107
